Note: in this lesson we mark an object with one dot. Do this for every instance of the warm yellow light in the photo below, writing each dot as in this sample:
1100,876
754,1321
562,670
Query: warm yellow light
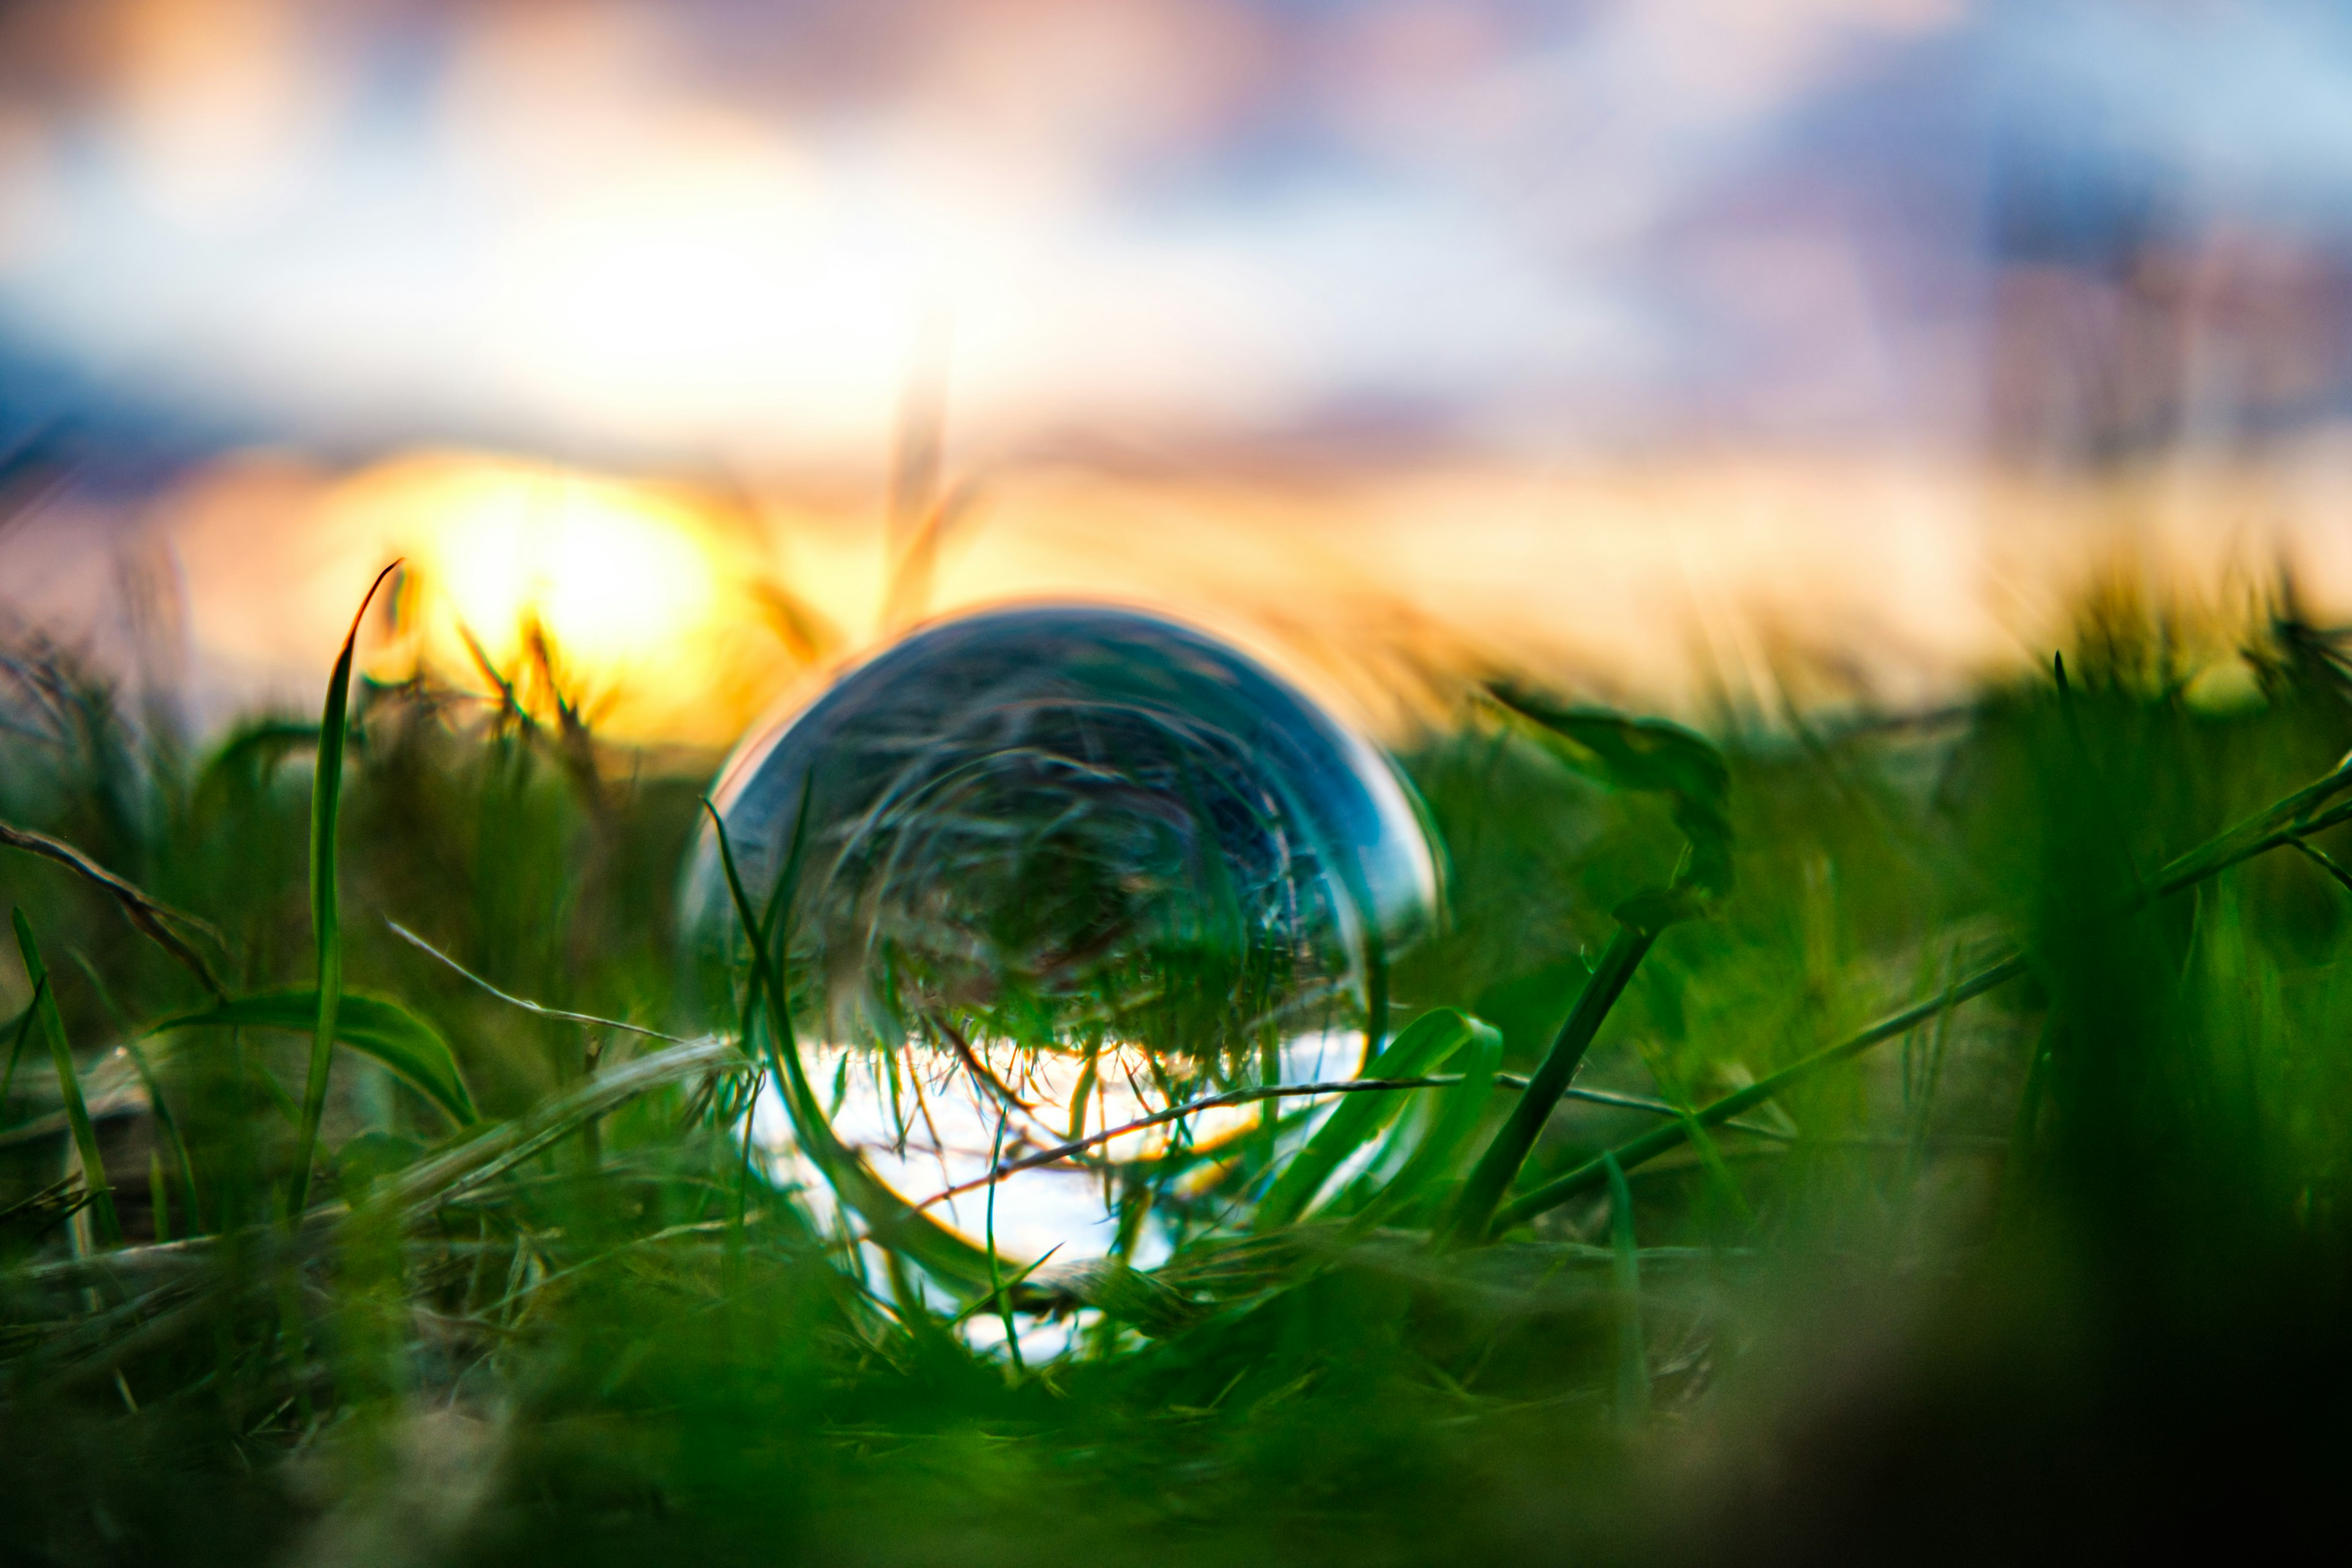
615,577
624,599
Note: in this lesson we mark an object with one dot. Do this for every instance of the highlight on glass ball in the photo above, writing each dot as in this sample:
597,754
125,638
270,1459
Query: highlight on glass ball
1050,869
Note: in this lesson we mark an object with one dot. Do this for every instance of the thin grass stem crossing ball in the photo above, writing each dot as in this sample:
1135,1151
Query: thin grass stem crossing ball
1064,827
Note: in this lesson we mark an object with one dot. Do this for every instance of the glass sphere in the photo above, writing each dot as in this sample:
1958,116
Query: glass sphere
1057,827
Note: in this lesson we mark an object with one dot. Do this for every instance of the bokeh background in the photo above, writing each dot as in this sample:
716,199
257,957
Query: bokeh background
1695,353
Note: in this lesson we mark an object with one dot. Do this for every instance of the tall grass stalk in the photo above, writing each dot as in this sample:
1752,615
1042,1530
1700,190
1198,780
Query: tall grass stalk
24,1032
1474,1212
1632,1402
85,1138
326,910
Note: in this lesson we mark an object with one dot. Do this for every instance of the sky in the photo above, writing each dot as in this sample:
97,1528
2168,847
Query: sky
1634,341
711,230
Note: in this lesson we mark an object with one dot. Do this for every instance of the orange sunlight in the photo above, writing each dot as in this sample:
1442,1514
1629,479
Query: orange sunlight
632,603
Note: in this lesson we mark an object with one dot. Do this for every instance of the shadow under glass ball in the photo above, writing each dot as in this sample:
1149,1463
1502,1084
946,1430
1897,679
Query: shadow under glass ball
1066,825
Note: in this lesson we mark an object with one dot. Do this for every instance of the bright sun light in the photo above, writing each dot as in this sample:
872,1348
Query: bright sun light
627,583
613,576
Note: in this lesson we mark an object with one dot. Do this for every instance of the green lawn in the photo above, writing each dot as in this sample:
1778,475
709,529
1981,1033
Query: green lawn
2049,1269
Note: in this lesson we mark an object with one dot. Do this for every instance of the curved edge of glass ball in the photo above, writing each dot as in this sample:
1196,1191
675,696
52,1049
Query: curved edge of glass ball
1364,822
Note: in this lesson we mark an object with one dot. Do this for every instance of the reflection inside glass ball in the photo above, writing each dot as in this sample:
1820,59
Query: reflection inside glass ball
1062,863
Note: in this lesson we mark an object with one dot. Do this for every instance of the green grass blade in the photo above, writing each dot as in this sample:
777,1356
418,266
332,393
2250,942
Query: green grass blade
2296,814
1923,1115
164,1118
895,1221
1719,1175
1498,1167
158,1197
1719,1178
1423,1045
1460,1110
1079,1096
326,924
1650,755
1625,1283
2325,862
375,1027
443,1176
170,1127
109,1228
150,917
995,1269
24,1033
2016,1164
1594,1173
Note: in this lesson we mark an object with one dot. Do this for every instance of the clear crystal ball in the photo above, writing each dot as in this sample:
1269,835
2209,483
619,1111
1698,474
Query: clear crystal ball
1061,827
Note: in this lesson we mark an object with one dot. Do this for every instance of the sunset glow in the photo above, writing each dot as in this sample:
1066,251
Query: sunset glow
611,575
627,586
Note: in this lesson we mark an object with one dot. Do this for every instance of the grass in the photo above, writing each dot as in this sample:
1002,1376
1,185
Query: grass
1914,1139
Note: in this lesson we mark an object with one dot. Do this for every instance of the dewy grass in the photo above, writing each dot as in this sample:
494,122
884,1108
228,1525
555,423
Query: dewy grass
2113,1265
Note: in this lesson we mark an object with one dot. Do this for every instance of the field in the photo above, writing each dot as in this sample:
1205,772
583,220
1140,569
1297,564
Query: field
1959,1175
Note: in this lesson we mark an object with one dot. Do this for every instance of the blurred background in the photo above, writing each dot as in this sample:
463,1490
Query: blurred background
1696,352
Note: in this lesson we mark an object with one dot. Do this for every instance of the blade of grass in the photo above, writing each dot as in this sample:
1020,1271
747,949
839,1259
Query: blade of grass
1924,1113
525,1003
1500,1165
24,1033
1719,1175
2014,1172
2325,862
440,1178
1456,1122
155,1100
995,1267
1061,1152
326,925
375,1027
1593,1173
152,916
2279,824
1625,1283
159,1198
892,1220
1424,1044
739,1221
109,1228
1019,1277
1079,1096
